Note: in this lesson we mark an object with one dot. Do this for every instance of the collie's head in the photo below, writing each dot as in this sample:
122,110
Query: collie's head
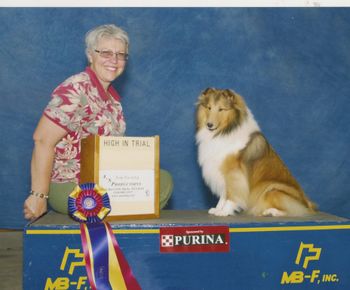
220,111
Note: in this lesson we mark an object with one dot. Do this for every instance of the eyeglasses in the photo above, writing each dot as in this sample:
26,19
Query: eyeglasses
109,54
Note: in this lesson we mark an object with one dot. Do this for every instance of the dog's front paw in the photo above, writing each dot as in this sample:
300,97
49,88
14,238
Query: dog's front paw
229,208
226,209
220,211
213,210
223,212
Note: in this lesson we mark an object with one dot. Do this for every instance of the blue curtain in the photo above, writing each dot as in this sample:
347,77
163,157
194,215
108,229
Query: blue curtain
291,65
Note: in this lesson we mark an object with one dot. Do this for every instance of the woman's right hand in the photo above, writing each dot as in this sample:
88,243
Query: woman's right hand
34,207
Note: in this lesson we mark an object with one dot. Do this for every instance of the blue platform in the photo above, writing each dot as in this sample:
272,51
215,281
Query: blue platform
263,253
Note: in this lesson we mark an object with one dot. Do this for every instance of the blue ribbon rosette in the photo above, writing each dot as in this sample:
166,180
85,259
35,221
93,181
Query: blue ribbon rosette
106,266
88,203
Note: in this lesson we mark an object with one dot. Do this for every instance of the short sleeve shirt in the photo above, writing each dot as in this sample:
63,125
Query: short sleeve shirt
81,106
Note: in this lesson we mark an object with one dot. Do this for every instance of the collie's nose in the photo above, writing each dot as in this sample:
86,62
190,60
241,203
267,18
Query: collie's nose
210,125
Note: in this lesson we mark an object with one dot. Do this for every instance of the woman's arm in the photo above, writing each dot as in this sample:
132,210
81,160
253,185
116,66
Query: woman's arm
46,136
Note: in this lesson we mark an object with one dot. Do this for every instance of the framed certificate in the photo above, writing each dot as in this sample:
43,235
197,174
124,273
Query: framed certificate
128,168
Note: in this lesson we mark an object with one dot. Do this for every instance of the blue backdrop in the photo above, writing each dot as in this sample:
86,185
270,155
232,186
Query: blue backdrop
291,64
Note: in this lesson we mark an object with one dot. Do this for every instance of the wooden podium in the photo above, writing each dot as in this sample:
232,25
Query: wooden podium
128,168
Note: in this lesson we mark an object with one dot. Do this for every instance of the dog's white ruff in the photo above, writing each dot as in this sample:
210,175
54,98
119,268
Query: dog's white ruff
212,151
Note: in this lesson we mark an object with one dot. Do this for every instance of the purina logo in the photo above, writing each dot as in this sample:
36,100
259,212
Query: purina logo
194,239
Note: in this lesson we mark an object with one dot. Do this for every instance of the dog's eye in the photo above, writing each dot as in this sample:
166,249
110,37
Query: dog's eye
209,108
221,109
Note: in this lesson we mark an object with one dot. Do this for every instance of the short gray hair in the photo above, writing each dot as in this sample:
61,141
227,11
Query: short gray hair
109,30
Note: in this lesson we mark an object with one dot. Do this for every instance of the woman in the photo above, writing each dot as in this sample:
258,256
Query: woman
83,105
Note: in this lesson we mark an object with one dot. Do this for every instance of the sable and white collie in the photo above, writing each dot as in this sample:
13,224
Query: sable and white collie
239,165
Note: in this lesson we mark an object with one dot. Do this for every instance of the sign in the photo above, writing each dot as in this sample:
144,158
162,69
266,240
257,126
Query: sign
194,239
307,254
128,169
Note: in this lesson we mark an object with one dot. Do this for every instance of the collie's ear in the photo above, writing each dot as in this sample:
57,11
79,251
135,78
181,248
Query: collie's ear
207,91
229,94
200,100
202,96
235,99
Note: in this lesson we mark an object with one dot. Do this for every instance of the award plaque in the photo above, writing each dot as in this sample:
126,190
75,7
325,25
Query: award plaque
128,169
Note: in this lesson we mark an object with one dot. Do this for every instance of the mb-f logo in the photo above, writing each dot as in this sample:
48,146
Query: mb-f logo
306,255
73,260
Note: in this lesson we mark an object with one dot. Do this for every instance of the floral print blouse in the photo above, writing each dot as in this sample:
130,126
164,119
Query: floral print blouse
81,106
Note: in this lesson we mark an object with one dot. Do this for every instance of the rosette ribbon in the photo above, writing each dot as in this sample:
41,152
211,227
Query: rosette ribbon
106,266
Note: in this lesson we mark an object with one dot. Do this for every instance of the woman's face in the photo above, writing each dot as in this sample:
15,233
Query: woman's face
107,69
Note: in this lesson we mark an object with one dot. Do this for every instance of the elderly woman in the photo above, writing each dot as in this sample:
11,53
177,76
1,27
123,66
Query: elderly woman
85,104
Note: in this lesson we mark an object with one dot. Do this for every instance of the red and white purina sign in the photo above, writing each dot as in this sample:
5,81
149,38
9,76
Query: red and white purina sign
194,239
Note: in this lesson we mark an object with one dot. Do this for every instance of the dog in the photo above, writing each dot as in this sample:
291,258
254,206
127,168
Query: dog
239,165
